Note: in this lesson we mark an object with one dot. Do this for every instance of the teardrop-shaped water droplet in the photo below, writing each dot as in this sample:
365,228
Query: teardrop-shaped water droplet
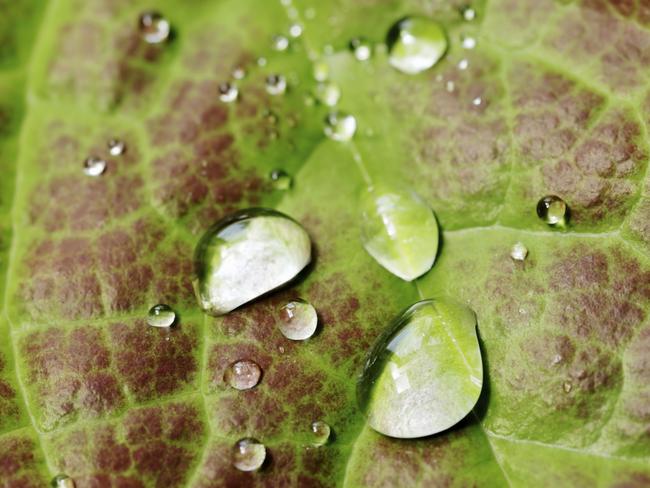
321,71
424,373
243,374
228,92
518,251
553,210
320,433
295,30
328,93
62,481
246,255
276,84
161,315
415,44
468,13
248,454
298,320
400,231
280,179
116,147
154,28
361,48
280,43
94,166
340,126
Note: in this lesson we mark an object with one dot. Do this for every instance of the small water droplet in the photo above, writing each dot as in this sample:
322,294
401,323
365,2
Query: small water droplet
340,126
328,93
280,43
228,92
321,433
553,210
415,44
276,84
161,315
298,320
469,43
295,30
239,73
518,252
116,147
261,61
243,374
468,13
280,179
450,86
321,71
557,359
154,28
94,166
248,454
463,64
477,101
62,481
567,386
361,48
245,255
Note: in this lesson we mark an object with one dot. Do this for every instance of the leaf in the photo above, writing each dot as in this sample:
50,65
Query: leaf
553,101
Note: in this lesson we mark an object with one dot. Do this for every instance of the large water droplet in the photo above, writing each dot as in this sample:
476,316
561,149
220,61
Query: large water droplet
361,48
276,84
328,93
340,126
228,92
116,147
298,320
161,315
280,43
94,166
400,231
154,28
553,210
424,373
415,44
280,179
62,481
243,374
321,433
246,255
518,251
248,454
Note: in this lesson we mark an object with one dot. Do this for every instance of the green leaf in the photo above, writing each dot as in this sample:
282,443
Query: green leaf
553,99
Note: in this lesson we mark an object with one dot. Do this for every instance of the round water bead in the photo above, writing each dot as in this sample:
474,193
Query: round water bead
518,252
248,454
161,315
321,433
246,255
298,320
228,92
276,84
94,166
281,180
280,43
415,44
116,147
553,210
154,28
328,93
62,481
361,48
340,126
243,374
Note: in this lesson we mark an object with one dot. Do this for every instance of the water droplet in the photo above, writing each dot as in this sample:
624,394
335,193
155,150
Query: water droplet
415,44
477,101
62,481
298,320
469,43
248,454
328,93
463,64
340,126
321,71
295,30
280,43
518,252
161,315
557,359
243,374
228,92
239,73
310,13
94,166
154,28
425,372
261,61
245,255
399,230
361,48
280,179
116,147
276,84
567,386
553,210
321,433
468,13
450,86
